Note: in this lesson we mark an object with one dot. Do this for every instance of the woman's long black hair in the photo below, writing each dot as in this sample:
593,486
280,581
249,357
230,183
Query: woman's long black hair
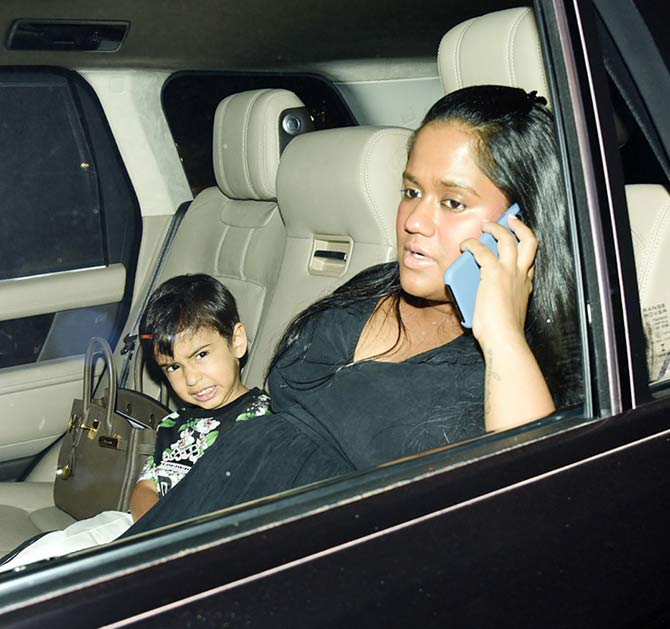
515,146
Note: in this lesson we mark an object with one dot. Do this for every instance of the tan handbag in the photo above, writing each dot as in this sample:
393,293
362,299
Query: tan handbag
107,442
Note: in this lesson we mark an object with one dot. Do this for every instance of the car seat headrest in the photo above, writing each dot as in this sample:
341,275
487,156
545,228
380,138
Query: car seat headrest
343,181
250,131
500,48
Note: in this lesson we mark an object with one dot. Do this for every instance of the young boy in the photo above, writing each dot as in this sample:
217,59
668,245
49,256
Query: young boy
192,329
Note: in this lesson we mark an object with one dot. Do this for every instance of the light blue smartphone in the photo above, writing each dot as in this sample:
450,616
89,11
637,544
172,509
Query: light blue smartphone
462,277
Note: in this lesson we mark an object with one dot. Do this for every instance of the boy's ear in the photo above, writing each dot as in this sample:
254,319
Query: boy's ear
239,340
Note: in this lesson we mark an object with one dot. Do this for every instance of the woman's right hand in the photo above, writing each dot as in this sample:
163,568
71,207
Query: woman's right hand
506,282
515,389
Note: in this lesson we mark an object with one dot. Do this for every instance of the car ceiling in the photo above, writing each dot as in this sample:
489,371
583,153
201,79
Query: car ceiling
249,34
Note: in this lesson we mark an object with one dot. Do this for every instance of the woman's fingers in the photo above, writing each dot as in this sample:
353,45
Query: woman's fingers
527,249
483,255
507,243
511,253
506,279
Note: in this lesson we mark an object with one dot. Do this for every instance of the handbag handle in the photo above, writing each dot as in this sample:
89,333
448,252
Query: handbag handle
101,343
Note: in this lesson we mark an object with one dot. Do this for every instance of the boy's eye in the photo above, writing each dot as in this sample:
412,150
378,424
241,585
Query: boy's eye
452,204
411,193
171,368
201,354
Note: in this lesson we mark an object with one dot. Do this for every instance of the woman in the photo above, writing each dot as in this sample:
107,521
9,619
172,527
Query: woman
381,368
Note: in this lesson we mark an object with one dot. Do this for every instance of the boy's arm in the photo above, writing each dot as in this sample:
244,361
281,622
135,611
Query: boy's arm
144,497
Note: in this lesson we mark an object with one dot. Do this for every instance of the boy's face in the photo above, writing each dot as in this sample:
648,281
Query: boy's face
205,367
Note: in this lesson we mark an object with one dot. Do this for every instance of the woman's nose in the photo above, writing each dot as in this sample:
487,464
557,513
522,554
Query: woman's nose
421,219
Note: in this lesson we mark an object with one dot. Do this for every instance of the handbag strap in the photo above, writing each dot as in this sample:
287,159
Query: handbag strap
129,341
98,343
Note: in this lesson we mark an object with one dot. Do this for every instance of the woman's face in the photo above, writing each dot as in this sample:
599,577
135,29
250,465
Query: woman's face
445,199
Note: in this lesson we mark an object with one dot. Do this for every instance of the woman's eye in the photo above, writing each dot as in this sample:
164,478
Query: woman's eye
452,204
411,193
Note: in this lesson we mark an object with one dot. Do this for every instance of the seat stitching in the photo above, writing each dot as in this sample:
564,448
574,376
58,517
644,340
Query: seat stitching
364,167
245,142
659,231
219,141
458,50
267,168
265,165
511,38
219,249
245,252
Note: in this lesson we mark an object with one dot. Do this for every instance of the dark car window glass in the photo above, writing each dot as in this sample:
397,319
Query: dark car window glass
190,101
644,160
656,15
67,204
50,200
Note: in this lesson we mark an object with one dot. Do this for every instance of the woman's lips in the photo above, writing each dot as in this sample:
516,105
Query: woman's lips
416,259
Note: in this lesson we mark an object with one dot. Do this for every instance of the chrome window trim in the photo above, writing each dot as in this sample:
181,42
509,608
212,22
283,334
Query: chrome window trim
575,96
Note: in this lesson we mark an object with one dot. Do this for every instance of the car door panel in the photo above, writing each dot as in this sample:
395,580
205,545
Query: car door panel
35,402
35,399
44,294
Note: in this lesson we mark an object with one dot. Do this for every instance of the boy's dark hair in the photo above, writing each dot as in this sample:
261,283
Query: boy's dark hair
186,302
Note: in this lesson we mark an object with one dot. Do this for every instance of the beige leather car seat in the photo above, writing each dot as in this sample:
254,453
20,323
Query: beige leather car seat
338,191
232,231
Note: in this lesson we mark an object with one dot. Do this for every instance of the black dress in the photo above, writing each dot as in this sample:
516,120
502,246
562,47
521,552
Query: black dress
332,416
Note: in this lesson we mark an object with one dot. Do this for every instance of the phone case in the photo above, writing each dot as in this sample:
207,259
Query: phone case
462,277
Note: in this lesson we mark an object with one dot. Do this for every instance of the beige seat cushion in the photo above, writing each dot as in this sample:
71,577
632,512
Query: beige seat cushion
27,509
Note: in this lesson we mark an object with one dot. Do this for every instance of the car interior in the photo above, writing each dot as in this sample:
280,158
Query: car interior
295,210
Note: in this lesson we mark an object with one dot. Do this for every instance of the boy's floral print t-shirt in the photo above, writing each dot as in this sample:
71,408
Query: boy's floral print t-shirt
184,436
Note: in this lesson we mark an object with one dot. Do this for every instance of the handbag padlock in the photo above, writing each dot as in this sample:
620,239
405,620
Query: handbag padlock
64,472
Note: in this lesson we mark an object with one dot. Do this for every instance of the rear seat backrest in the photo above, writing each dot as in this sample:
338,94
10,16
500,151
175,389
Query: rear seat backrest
234,231
338,191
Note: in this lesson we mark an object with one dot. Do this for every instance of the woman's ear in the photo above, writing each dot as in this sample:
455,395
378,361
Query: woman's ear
239,341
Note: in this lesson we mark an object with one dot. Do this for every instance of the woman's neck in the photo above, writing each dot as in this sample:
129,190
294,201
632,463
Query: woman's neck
425,326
